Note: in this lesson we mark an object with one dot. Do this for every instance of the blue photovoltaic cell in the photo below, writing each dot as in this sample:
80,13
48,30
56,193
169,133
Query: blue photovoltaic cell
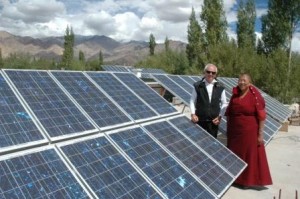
106,171
196,78
115,68
38,175
158,103
136,108
54,109
101,109
208,171
173,88
271,128
16,125
188,79
210,145
161,168
183,84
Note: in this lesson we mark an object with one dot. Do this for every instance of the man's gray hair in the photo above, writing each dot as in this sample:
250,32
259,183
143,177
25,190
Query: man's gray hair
208,65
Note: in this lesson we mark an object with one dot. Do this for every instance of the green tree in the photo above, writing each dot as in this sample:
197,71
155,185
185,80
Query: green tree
68,53
278,27
275,27
167,44
195,41
81,57
101,60
152,44
214,20
246,24
1,59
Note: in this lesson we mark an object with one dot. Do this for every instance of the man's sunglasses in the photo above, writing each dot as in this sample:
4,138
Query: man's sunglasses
211,72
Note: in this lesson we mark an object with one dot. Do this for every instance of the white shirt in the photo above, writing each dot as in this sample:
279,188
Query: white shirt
209,88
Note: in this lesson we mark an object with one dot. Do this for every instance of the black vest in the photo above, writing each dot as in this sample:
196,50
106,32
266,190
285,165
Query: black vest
205,110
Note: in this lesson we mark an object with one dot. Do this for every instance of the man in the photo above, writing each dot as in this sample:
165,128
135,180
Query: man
208,102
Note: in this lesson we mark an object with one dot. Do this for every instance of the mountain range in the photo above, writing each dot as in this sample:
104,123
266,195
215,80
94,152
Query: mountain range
114,52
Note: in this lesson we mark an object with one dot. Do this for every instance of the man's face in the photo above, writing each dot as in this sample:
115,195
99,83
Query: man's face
210,73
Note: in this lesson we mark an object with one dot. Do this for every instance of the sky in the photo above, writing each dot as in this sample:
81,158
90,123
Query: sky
122,20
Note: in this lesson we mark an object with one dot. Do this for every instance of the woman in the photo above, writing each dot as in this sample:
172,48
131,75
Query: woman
245,123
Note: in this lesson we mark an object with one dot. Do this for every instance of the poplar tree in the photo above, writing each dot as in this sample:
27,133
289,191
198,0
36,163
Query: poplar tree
1,59
275,27
100,59
68,53
278,27
215,23
81,57
246,24
195,40
167,44
152,44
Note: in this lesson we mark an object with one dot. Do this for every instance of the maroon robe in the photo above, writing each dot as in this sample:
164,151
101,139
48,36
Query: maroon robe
242,135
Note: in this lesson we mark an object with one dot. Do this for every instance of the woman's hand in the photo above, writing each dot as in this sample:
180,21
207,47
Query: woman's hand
260,139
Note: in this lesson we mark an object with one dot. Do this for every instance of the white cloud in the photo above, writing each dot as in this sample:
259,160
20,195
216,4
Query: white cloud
119,19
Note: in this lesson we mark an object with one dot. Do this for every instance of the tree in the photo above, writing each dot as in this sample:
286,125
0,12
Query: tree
81,57
195,40
100,60
215,23
1,59
278,27
152,44
246,24
68,53
167,44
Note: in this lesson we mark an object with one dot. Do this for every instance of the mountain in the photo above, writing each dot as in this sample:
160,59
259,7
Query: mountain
114,52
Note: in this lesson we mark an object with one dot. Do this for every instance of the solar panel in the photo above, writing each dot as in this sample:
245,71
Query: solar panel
126,99
38,174
188,79
17,127
196,78
55,111
173,88
106,171
114,68
167,174
271,128
210,145
158,103
206,169
98,106
183,84
153,70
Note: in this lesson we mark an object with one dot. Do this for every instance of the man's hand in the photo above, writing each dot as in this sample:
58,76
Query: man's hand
194,118
217,120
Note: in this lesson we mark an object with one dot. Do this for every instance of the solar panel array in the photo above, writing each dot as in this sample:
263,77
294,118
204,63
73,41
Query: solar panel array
116,68
145,72
181,87
67,134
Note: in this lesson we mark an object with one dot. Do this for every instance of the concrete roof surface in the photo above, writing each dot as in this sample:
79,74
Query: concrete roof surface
283,153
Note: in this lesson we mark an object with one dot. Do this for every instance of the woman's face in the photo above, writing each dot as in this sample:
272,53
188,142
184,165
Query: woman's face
244,82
